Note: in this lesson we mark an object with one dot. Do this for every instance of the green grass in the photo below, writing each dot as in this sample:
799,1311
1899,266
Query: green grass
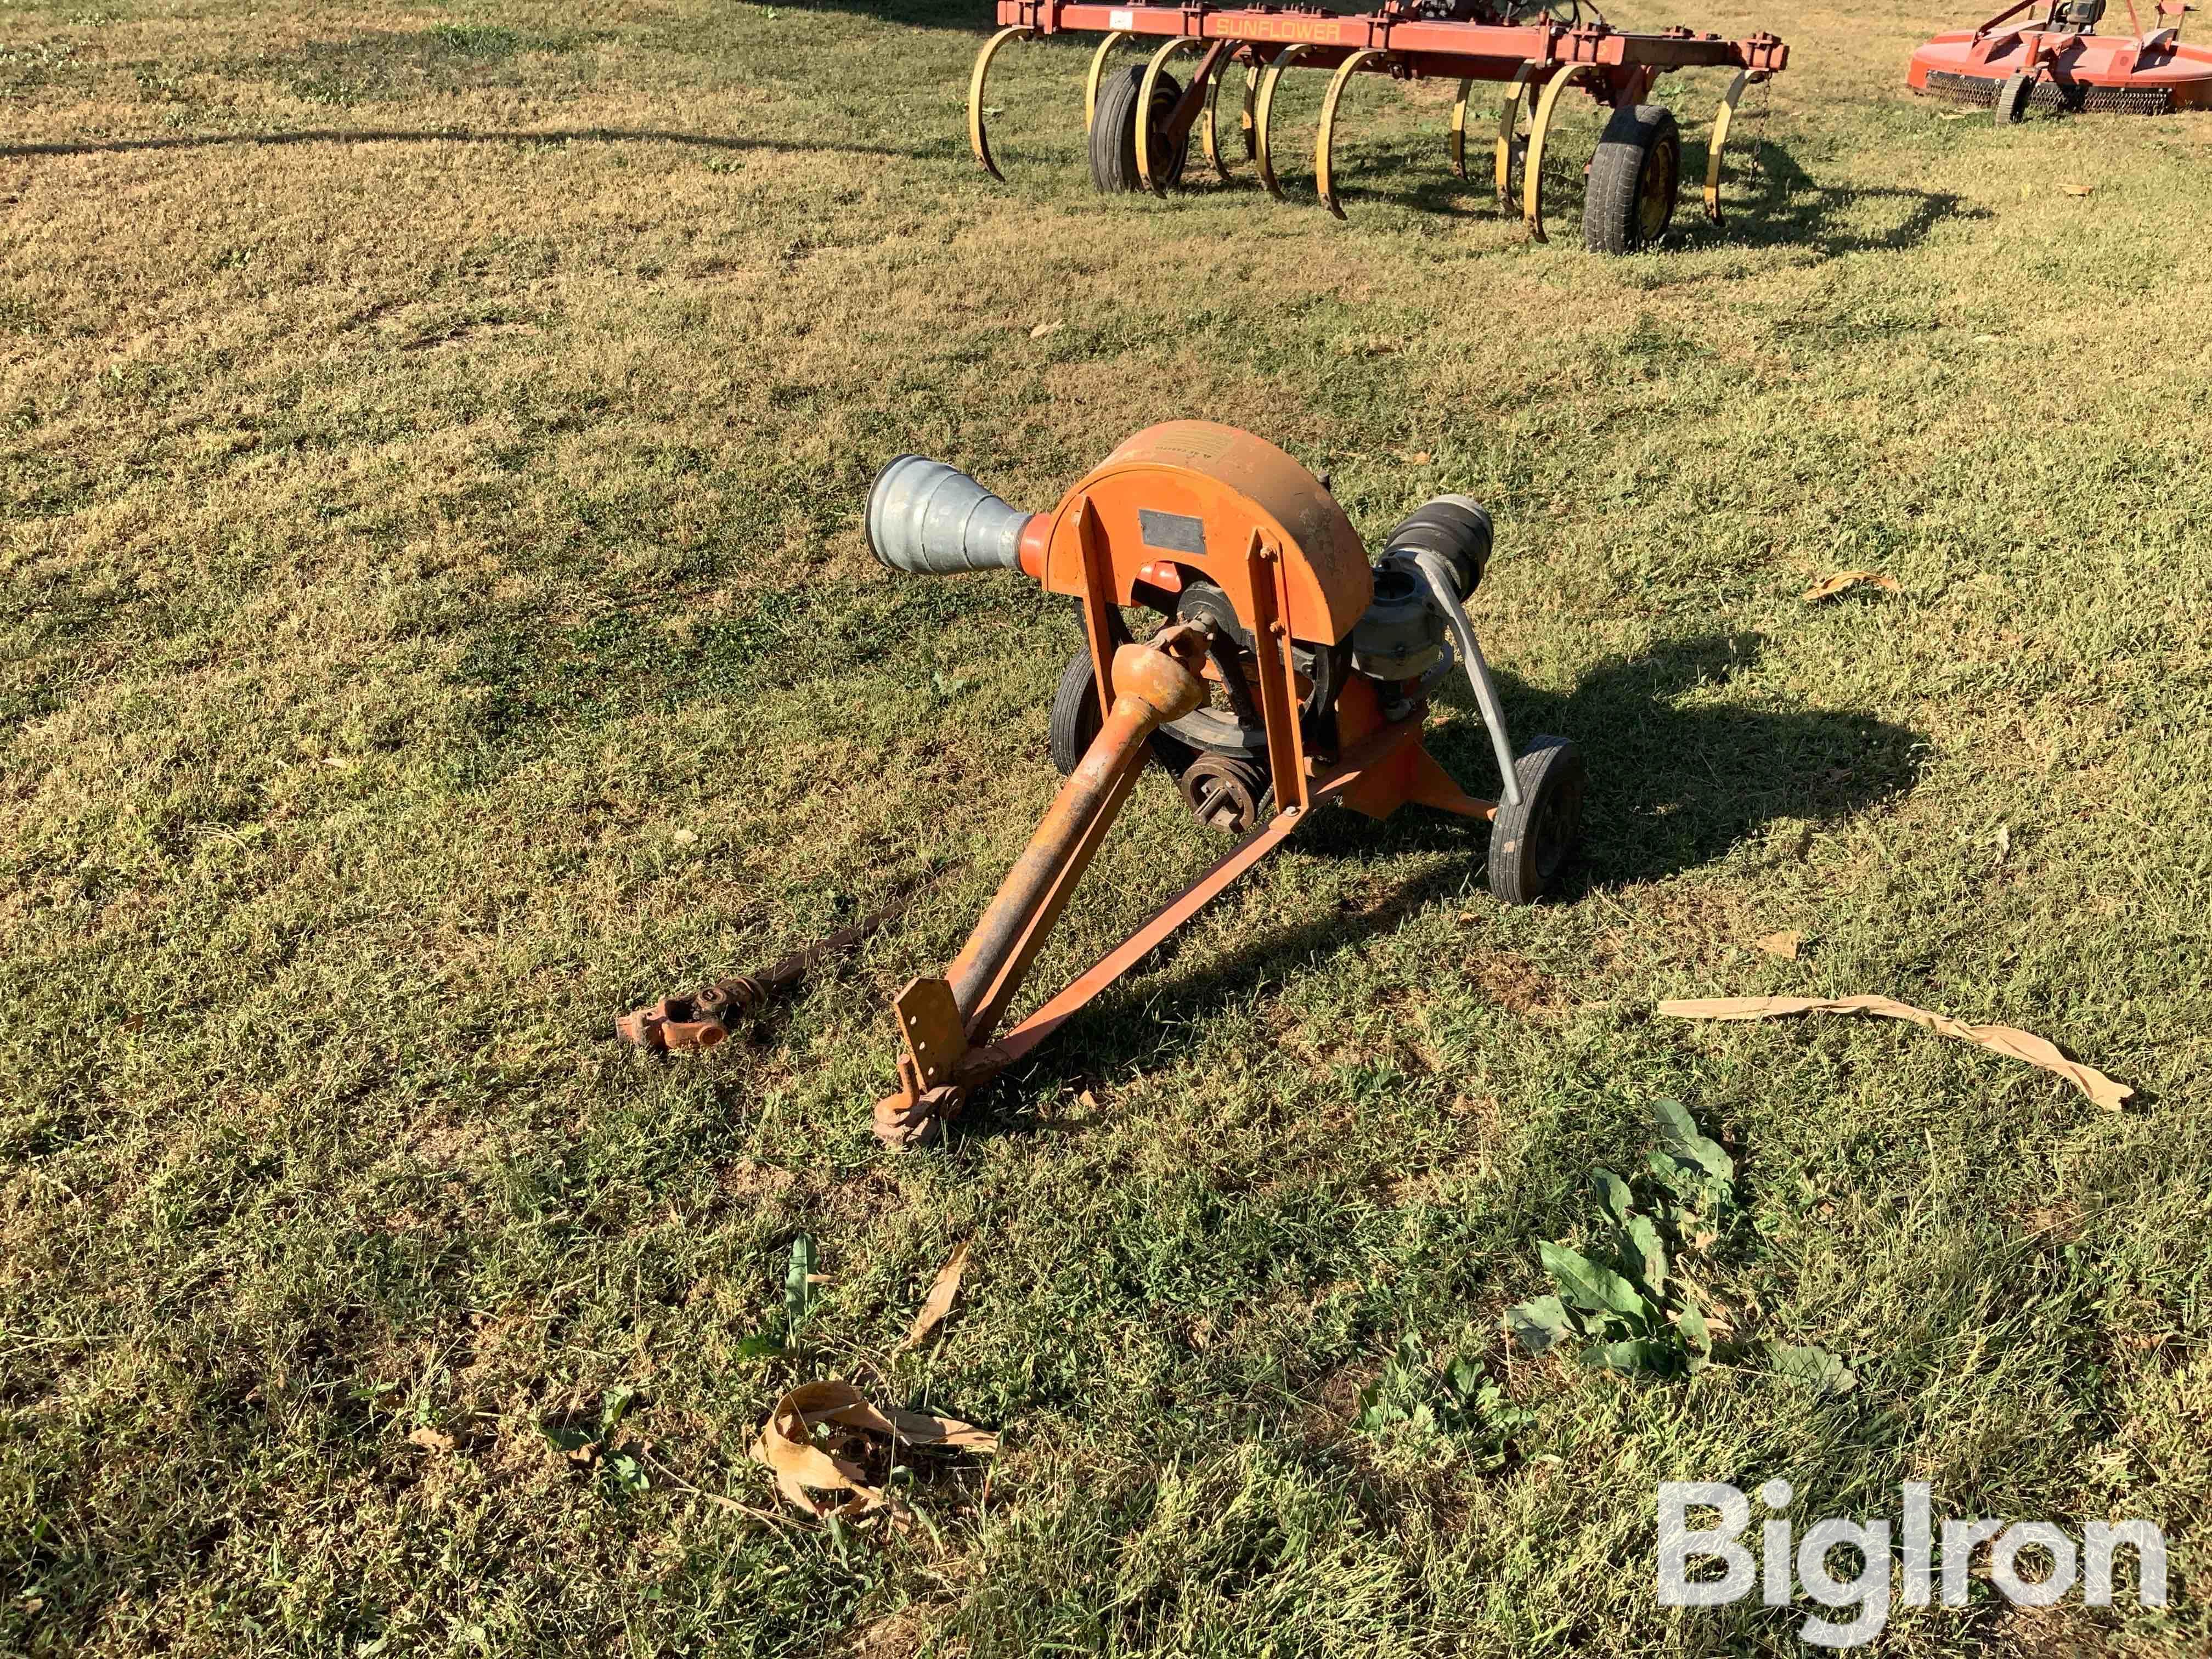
436,619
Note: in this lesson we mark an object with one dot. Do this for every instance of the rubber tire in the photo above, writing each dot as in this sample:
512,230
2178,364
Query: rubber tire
1637,139
1073,724
1530,843
1114,131
2012,101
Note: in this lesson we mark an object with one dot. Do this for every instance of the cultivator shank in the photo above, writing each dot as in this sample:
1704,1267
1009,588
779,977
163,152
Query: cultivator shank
1139,124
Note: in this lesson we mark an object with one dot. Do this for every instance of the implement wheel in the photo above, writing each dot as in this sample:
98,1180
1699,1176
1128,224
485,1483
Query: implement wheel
1113,133
1075,721
2012,100
1529,843
1633,181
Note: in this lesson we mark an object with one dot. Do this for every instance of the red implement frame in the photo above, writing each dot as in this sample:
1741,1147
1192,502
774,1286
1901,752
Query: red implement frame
1468,44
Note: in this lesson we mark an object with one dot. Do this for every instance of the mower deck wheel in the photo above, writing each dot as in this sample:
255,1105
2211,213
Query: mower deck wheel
2011,104
1113,133
1633,181
1530,842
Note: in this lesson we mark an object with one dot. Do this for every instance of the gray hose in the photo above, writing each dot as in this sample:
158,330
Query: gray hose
1438,575
930,520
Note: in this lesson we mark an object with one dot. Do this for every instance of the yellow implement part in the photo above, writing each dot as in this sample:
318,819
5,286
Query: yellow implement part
978,140
1508,116
1091,81
1322,182
1263,152
1532,182
1210,130
1721,117
1144,108
1245,121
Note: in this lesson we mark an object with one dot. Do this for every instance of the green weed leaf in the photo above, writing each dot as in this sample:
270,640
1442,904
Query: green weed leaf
1644,1354
1536,1326
798,1293
1817,1366
1681,1133
1642,1252
1586,1285
1612,1193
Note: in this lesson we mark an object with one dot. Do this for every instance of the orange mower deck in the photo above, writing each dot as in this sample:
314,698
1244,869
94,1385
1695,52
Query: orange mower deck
2059,62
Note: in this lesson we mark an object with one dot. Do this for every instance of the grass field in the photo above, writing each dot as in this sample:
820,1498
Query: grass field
436,619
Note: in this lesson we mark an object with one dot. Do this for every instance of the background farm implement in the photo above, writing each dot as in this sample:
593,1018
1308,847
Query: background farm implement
2017,61
1537,53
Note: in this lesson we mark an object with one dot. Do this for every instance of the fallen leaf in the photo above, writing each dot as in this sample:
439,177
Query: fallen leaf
1419,457
1784,944
1043,329
2079,190
1999,1039
430,1440
856,1457
1846,579
939,1302
1088,1101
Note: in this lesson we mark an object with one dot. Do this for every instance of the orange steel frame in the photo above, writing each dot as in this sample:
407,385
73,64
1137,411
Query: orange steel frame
1378,766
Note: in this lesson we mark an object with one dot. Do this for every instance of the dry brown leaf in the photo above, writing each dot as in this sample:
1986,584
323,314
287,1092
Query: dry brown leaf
857,1456
1043,329
1784,944
938,1302
2079,190
1845,580
430,1440
1999,1039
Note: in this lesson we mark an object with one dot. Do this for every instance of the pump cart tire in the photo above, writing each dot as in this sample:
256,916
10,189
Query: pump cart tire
1529,843
1113,133
1633,181
1075,719
2012,100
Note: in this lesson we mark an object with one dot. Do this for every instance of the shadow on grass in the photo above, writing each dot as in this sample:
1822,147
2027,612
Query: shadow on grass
1789,210
1672,786
459,136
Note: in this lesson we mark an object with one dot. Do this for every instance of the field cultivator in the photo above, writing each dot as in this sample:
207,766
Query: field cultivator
1279,670
2017,62
1538,52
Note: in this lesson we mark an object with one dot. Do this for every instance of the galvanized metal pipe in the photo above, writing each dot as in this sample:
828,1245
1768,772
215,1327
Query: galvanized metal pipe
930,520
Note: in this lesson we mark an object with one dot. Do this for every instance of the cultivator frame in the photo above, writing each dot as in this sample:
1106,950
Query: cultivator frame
1466,41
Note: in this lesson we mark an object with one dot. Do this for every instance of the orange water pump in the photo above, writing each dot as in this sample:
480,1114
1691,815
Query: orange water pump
1284,671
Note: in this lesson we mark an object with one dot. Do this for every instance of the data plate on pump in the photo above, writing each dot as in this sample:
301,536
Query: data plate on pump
1171,532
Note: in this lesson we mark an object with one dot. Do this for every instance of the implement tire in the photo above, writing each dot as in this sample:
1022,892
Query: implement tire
1113,133
1634,179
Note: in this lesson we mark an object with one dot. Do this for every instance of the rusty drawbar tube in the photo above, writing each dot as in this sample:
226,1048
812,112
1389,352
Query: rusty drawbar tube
1153,685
